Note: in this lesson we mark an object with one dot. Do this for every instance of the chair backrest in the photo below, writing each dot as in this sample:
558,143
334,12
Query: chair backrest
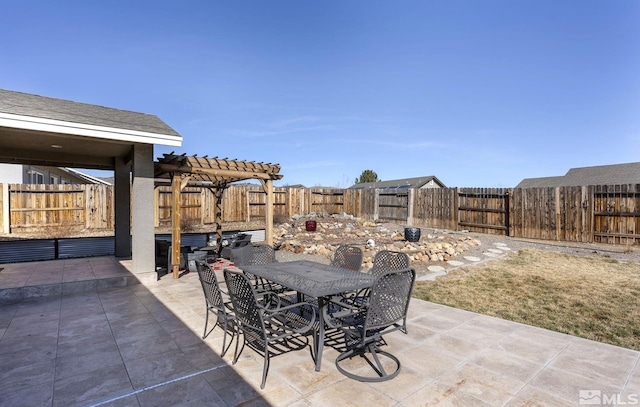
243,299
348,256
257,254
210,285
387,260
389,300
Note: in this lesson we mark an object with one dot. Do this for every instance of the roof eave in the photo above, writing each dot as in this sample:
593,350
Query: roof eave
87,130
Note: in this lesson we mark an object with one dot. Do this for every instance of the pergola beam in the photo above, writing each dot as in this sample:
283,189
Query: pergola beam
214,172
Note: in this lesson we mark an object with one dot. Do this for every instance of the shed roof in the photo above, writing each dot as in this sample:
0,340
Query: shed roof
615,174
417,182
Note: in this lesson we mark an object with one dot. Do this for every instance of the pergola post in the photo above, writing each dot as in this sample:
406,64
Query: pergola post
217,215
175,223
268,230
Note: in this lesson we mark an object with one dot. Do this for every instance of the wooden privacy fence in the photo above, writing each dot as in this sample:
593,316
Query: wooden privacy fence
607,214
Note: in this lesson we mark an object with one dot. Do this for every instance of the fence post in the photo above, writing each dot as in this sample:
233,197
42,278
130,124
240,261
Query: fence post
507,212
376,204
410,198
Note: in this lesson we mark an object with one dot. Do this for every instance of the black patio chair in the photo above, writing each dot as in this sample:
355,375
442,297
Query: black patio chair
216,304
268,330
255,255
364,327
387,260
348,256
384,261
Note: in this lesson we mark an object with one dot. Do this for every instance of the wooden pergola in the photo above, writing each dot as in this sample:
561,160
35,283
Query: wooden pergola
214,174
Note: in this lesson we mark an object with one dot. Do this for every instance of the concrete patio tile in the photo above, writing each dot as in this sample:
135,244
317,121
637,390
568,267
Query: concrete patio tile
632,388
507,363
415,338
429,361
193,391
440,395
235,390
479,335
436,322
598,361
538,346
21,375
455,314
532,397
136,327
77,275
454,345
407,382
158,368
44,343
567,385
492,388
38,395
92,387
86,344
297,370
132,348
351,393
83,327
96,357
203,355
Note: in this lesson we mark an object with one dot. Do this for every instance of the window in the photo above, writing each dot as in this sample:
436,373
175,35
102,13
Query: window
53,179
35,177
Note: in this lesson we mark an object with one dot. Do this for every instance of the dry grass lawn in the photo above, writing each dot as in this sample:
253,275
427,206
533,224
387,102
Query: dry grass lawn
591,297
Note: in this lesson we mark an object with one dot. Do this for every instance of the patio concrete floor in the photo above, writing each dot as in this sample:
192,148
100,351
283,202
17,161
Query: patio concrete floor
99,341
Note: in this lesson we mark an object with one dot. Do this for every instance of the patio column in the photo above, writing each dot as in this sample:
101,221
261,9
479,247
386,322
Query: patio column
142,231
122,207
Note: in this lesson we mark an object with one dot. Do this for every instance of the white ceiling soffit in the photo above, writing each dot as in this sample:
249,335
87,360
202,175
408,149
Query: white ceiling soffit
87,130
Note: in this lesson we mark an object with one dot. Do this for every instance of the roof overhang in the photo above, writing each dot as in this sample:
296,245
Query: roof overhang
86,130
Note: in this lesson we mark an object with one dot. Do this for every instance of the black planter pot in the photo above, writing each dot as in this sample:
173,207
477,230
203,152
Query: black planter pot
411,234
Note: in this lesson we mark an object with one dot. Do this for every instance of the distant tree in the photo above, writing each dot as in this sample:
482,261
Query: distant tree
367,176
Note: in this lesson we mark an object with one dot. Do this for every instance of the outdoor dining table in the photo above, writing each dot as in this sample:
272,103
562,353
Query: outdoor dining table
316,280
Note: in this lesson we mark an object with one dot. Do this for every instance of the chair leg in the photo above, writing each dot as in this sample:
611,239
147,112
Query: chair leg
228,325
206,322
265,367
381,373
237,353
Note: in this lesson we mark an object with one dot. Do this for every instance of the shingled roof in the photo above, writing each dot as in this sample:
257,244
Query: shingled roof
25,104
418,182
615,174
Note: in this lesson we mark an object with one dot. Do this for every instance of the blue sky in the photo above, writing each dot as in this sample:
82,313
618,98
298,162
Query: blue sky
478,93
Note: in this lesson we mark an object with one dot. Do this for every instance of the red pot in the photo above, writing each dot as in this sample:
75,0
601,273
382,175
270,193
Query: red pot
310,225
